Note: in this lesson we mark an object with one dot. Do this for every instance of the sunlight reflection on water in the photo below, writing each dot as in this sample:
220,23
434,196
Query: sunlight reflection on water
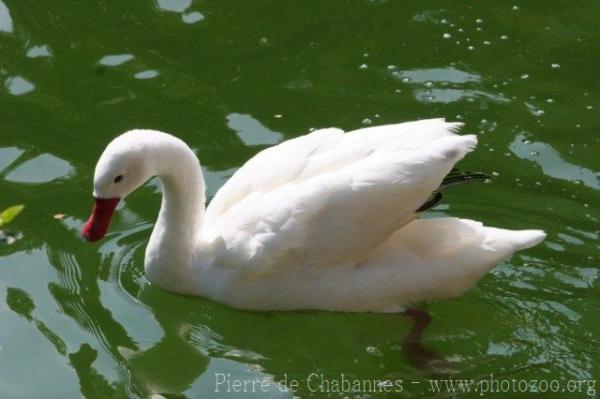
552,162
231,80
6,23
18,85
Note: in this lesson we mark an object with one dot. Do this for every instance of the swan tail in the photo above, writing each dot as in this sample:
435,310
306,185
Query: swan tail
476,250
479,249
514,240
441,258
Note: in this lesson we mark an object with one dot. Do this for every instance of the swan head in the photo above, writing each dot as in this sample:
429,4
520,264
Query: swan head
123,166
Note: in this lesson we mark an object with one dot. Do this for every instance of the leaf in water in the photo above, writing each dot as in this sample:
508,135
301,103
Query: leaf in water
10,213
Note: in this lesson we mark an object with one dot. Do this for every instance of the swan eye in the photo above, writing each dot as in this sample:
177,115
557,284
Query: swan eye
118,178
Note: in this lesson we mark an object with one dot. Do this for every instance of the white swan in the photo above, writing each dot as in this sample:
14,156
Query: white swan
323,221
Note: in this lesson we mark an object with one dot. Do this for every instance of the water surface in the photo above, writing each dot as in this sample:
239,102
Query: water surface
231,78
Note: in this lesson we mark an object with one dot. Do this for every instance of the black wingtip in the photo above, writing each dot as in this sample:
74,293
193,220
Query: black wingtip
453,178
432,202
456,177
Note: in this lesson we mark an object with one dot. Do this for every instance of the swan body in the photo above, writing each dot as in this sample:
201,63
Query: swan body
323,221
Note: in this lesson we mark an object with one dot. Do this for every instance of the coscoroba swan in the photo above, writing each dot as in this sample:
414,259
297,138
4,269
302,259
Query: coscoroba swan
328,220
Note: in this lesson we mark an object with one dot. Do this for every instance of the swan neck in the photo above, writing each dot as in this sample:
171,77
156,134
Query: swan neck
183,201
182,208
176,233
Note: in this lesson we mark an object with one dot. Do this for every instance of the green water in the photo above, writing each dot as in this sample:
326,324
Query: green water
230,78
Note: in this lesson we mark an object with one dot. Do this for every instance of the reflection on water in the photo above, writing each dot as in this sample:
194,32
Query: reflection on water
453,95
126,322
41,169
6,23
21,303
149,74
39,51
251,131
174,5
552,163
18,85
181,6
446,85
81,319
449,75
534,110
215,179
116,59
192,17
8,155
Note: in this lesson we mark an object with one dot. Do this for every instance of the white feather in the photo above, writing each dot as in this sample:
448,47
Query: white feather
322,221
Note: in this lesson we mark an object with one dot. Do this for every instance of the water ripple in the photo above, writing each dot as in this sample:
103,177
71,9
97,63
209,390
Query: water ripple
448,74
445,85
552,163
251,131
174,5
115,59
18,85
6,23
43,168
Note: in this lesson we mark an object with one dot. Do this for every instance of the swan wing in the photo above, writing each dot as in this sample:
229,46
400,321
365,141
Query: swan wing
331,197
